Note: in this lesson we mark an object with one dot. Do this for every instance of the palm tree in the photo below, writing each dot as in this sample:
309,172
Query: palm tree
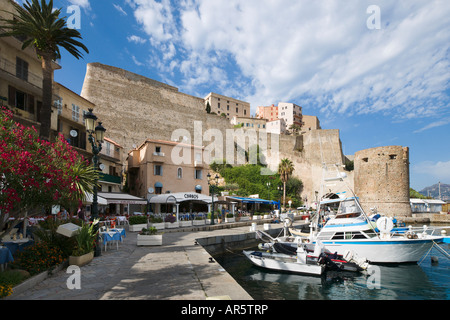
285,169
44,30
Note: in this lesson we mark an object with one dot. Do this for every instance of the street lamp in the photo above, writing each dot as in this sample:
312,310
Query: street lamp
96,138
212,188
280,191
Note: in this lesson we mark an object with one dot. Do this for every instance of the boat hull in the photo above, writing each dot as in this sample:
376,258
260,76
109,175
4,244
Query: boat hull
384,251
287,265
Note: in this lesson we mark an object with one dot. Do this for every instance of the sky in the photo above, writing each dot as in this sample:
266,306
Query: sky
378,71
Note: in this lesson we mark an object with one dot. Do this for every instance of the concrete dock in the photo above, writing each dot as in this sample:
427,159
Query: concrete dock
180,269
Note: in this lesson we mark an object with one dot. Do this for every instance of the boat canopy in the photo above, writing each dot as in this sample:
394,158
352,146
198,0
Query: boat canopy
328,201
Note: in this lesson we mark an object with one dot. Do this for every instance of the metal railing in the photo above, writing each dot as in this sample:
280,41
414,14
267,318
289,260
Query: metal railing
10,67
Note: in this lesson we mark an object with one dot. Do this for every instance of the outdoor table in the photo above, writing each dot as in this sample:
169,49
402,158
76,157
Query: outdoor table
17,245
121,231
5,257
122,220
112,235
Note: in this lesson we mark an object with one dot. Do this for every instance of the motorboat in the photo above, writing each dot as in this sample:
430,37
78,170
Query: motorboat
301,262
349,230
376,240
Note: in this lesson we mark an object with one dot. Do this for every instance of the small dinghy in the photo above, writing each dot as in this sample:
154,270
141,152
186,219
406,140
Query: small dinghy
334,261
302,262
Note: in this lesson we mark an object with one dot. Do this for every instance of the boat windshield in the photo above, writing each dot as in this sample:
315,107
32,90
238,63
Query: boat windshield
348,209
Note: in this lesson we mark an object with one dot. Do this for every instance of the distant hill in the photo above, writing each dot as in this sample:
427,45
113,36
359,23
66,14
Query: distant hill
433,191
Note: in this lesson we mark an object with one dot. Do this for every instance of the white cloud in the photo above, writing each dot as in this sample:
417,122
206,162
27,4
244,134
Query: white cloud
156,18
435,124
321,52
82,3
434,171
120,9
136,61
136,39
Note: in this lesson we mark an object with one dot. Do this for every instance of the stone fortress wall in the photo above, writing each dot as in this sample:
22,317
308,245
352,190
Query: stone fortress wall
134,108
382,179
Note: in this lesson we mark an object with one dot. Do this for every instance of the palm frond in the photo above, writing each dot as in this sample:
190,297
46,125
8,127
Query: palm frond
44,29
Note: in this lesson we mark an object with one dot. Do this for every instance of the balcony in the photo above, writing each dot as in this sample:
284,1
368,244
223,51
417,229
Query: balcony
10,68
198,164
158,157
103,177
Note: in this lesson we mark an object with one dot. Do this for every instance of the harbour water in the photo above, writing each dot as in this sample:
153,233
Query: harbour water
423,281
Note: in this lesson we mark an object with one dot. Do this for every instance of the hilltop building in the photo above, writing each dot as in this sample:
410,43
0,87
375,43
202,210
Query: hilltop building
280,119
249,123
229,106
269,113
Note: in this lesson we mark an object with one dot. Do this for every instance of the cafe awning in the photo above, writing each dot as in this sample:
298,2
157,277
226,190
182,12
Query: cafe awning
121,198
89,197
180,197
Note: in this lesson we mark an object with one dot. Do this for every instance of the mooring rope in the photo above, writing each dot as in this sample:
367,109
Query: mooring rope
445,253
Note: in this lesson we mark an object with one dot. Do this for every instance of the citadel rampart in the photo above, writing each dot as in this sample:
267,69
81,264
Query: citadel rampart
134,108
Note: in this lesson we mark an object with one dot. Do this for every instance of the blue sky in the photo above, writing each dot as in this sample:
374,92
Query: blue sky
379,86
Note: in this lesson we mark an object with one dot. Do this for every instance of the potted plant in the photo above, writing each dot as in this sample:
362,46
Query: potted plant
185,223
149,237
199,221
84,248
229,217
256,216
245,217
156,222
137,223
171,222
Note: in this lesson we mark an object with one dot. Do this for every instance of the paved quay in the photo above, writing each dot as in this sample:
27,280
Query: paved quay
180,269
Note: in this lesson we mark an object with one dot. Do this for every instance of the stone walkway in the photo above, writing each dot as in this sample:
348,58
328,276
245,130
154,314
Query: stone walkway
178,270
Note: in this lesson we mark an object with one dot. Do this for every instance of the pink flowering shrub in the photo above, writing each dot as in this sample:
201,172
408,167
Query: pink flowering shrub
35,174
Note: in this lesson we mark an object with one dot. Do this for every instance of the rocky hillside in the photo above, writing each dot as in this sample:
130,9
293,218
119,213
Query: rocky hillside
433,191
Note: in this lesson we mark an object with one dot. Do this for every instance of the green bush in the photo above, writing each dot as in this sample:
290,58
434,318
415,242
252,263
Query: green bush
153,219
10,279
46,232
148,231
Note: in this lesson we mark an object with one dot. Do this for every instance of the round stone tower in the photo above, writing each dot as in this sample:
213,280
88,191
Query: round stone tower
382,180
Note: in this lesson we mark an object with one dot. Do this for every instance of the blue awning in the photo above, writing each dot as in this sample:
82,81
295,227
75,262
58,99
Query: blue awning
253,200
158,185
198,187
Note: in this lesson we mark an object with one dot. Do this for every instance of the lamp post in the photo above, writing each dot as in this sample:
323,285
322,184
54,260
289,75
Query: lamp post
212,189
280,191
268,192
96,138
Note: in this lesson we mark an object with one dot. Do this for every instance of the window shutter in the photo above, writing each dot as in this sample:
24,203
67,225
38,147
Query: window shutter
30,104
11,96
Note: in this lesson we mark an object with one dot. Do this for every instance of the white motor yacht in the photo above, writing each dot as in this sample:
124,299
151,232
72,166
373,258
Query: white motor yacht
377,241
